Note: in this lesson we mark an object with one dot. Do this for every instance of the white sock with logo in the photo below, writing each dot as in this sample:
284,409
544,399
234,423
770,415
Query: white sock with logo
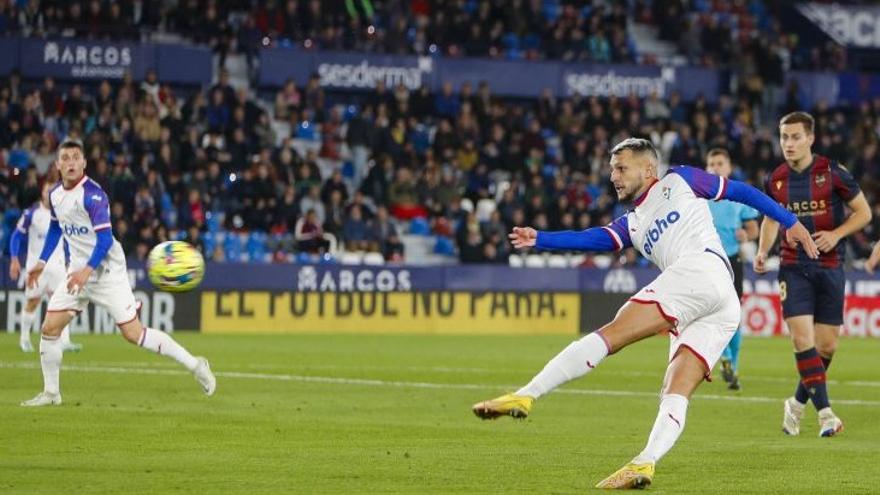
50,360
667,428
162,343
575,361
27,323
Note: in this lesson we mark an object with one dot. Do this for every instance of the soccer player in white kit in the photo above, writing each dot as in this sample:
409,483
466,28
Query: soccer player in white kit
32,227
80,212
693,298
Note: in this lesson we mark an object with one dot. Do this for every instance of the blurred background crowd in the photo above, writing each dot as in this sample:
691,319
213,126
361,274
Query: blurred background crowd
266,175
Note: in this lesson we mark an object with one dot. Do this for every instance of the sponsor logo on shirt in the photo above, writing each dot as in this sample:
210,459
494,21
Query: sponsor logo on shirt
661,225
75,230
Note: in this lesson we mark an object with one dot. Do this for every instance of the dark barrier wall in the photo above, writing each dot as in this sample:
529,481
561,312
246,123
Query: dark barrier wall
450,299
75,59
359,71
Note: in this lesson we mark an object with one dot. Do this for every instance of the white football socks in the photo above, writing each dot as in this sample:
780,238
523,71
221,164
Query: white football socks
575,361
667,428
65,335
50,360
162,343
27,323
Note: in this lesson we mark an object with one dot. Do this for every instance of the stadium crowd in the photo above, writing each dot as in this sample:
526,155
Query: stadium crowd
284,167
712,33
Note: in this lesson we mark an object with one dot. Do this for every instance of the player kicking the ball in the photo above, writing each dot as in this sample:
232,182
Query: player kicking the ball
32,228
97,272
693,298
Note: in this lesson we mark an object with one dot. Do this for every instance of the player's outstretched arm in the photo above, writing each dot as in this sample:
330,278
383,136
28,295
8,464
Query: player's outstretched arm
614,237
715,187
795,231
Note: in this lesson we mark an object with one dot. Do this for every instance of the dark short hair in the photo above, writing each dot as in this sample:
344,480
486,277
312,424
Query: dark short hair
718,151
70,143
799,118
636,145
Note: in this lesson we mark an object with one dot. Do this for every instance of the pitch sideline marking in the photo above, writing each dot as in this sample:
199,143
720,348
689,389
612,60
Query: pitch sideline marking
391,383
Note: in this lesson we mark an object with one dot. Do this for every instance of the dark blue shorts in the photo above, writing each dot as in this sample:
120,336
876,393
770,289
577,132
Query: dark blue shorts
812,290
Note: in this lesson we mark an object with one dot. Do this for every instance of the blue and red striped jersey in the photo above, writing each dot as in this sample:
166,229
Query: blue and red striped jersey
818,196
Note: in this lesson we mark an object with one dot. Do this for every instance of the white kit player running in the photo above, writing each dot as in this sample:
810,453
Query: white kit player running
693,298
32,228
80,212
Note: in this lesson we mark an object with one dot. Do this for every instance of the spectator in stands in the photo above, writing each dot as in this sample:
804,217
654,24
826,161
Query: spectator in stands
355,231
308,233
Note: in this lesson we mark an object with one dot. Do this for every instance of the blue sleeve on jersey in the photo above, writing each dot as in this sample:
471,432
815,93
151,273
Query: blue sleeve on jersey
52,237
102,246
704,184
614,237
24,223
16,240
97,205
748,195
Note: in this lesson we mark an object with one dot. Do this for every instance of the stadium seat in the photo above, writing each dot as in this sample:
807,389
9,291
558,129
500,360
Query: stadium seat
575,260
256,246
444,246
603,260
374,259
510,41
232,247
419,226
535,261
212,221
209,239
351,257
308,131
557,261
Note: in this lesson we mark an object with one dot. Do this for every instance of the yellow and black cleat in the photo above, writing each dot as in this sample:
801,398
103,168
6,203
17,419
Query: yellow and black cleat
631,476
515,406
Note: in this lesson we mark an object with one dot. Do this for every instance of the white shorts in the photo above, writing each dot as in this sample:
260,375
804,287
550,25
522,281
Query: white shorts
108,287
53,276
698,298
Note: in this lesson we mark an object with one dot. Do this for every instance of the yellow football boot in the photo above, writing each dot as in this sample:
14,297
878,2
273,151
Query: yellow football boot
515,406
631,476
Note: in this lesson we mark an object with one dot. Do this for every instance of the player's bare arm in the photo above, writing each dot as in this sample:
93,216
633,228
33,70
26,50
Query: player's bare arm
857,220
523,237
14,269
871,264
769,232
749,232
77,280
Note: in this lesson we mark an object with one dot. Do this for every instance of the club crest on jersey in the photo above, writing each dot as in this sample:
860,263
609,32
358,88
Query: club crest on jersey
661,225
778,185
666,191
820,180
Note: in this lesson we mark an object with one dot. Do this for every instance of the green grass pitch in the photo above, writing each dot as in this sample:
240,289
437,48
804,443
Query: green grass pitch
391,414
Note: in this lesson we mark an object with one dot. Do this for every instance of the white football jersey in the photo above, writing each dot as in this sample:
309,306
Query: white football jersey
671,220
34,223
81,211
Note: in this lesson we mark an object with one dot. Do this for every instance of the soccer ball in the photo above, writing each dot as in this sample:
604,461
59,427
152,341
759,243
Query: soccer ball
175,266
